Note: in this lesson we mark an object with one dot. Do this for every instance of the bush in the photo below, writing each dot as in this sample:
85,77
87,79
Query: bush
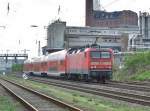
17,67
137,62
136,67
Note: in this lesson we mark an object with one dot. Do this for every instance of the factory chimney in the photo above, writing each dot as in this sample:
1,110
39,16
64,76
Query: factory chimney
91,5
89,11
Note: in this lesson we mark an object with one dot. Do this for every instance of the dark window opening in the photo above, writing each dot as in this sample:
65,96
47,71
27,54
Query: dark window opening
96,54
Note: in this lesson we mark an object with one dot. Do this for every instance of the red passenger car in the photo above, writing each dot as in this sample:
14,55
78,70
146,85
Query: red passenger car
81,63
56,63
51,65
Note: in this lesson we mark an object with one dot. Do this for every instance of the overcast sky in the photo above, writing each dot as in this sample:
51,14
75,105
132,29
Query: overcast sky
18,34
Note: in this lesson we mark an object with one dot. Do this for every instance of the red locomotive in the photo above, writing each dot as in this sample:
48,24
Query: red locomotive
82,64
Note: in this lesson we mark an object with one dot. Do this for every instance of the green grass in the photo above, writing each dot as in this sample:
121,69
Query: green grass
124,75
141,76
6,105
84,100
136,68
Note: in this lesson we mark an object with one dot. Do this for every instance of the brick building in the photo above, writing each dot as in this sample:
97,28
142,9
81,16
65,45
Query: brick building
98,18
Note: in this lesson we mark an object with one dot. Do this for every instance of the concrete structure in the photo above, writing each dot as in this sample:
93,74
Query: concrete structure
144,19
55,35
141,40
99,18
61,36
96,5
116,38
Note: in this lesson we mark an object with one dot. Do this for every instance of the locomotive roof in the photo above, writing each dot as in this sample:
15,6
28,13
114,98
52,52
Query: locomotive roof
98,49
27,61
35,59
52,56
76,50
59,55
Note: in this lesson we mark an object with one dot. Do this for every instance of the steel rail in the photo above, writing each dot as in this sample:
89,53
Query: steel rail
58,102
137,86
146,83
24,102
129,97
128,86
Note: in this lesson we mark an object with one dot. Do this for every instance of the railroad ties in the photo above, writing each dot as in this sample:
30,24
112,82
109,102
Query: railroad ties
35,101
100,90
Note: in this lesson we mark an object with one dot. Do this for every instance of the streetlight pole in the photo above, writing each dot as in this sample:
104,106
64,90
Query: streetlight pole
39,48
38,42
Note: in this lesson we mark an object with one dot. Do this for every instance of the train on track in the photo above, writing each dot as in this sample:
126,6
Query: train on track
87,63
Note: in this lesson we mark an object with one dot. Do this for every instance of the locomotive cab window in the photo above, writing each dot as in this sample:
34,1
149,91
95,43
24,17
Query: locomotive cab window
95,54
105,55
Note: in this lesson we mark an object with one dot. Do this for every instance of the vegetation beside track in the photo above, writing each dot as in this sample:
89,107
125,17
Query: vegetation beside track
136,68
17,67
6,104
87,101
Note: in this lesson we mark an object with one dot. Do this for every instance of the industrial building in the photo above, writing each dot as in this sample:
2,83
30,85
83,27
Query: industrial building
141,40
60,36
118,30
102,18
108,29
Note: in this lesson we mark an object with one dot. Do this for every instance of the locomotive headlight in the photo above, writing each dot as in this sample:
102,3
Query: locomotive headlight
105,63
92,67
94,63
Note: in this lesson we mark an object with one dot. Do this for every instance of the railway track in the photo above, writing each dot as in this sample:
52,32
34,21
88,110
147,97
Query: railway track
101,91
34,100
138,86
130,86
145,83
135,86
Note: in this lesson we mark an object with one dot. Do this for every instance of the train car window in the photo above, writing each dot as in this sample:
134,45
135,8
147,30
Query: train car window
105,55
95,54
43,63
61,62
84,54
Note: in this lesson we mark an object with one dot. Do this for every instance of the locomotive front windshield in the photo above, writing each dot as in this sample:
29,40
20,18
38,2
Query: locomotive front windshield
96,54
105,55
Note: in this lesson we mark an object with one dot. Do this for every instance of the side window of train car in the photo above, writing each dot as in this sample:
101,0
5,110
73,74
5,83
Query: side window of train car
44,64
61,62
84,54
105,55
